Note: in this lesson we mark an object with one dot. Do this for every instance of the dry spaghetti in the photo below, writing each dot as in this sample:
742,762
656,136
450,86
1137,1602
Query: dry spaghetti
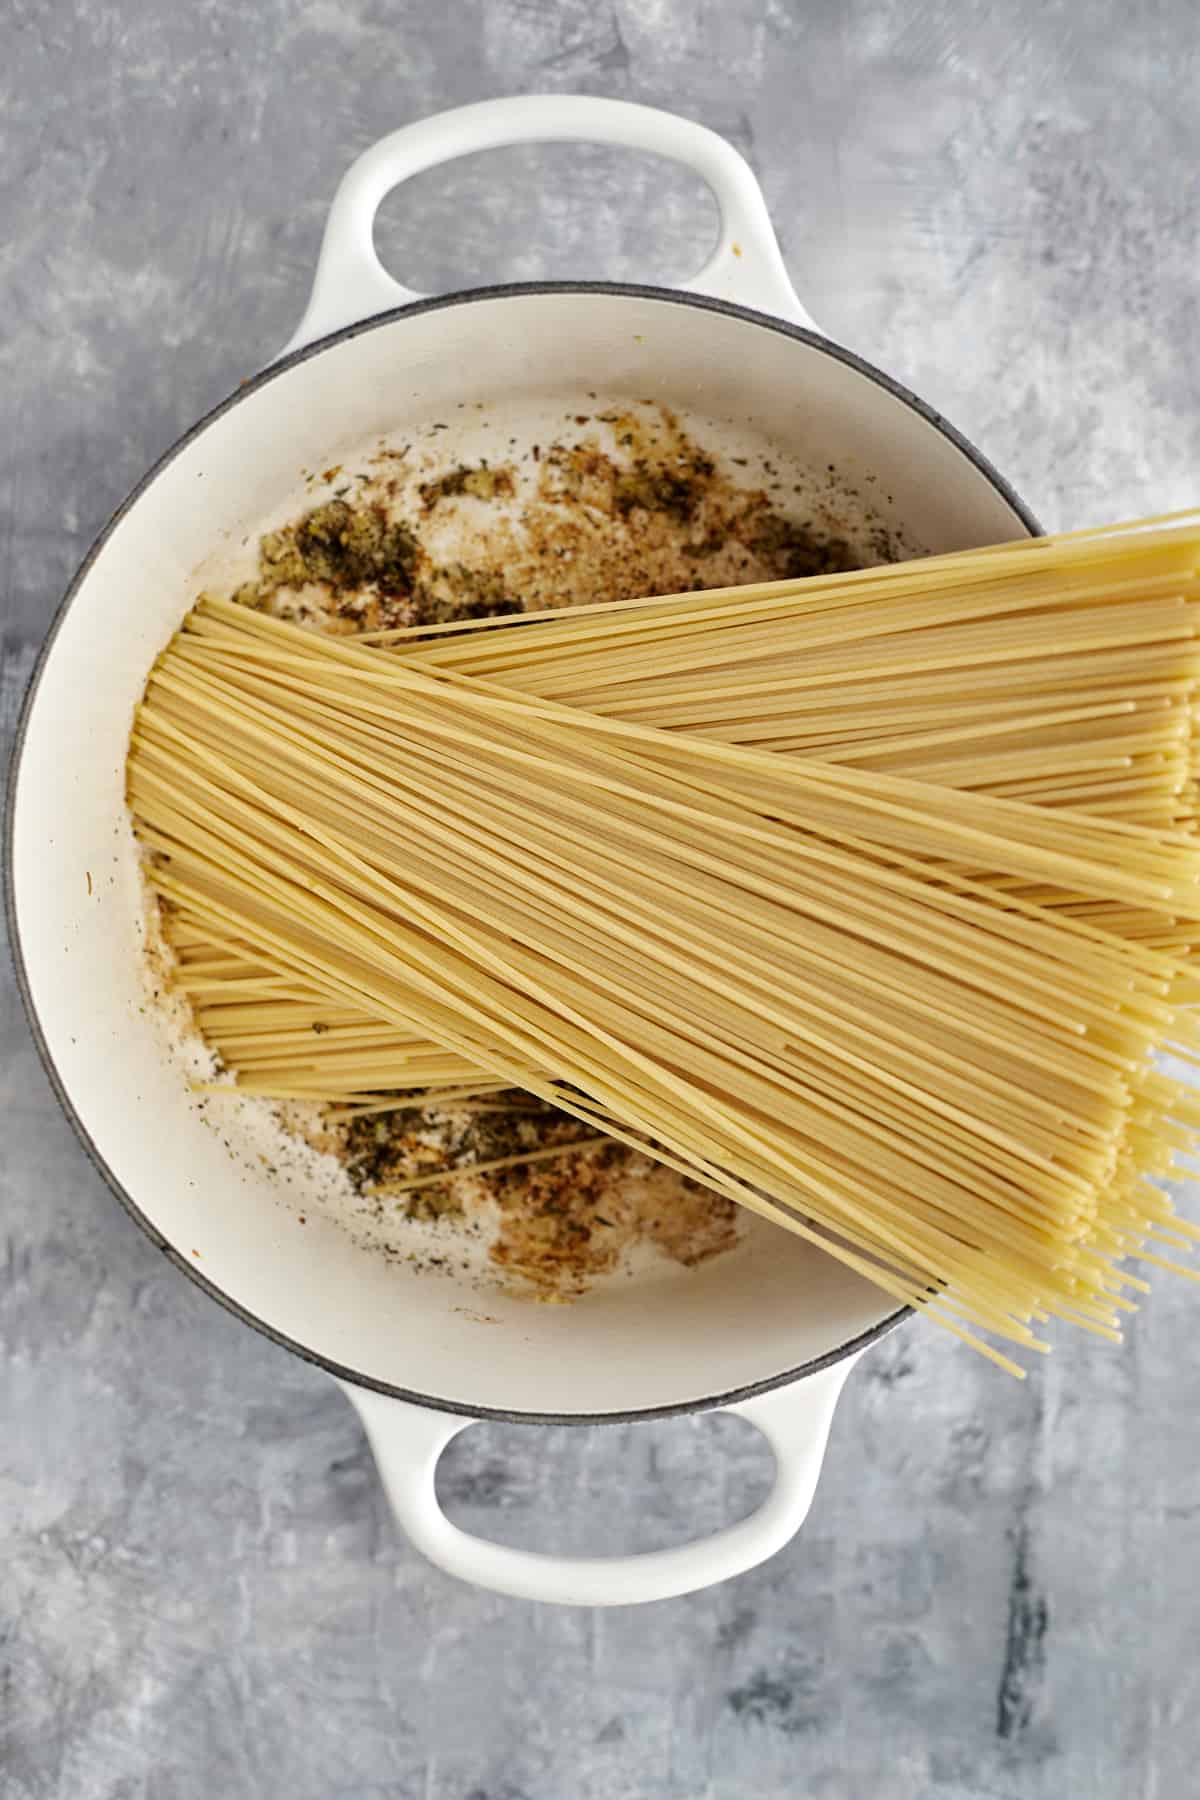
820,989
887,671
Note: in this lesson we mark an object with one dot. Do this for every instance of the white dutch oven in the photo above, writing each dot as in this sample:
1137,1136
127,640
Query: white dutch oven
769,1331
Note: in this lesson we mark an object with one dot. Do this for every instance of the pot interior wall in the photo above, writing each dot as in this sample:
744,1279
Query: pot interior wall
667,1337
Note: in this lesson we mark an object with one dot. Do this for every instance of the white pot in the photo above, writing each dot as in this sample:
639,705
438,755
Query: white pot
770,1330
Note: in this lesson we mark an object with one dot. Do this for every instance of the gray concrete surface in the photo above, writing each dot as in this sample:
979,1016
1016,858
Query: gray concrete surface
997,1596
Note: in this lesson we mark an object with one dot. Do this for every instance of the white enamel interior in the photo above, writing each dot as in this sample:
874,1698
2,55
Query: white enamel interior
665,1339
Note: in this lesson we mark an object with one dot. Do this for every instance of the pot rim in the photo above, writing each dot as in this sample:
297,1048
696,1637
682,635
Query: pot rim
375,321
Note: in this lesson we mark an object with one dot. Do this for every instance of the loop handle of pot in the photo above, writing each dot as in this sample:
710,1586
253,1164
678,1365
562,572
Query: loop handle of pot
351,284
408,1440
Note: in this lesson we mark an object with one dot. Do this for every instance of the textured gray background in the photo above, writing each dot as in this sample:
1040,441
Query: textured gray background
997,1596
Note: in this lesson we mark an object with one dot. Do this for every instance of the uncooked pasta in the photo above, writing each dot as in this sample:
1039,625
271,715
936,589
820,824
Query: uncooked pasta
894,977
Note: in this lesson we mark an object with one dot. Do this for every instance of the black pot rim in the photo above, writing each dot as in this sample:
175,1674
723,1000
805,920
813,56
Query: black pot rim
376,321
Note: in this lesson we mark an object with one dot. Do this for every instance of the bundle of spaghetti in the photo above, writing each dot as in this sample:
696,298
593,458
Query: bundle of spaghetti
1109,731
759,968
1062,671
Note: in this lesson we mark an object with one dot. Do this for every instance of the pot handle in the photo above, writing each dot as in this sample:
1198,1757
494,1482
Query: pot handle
351,283
408,1440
